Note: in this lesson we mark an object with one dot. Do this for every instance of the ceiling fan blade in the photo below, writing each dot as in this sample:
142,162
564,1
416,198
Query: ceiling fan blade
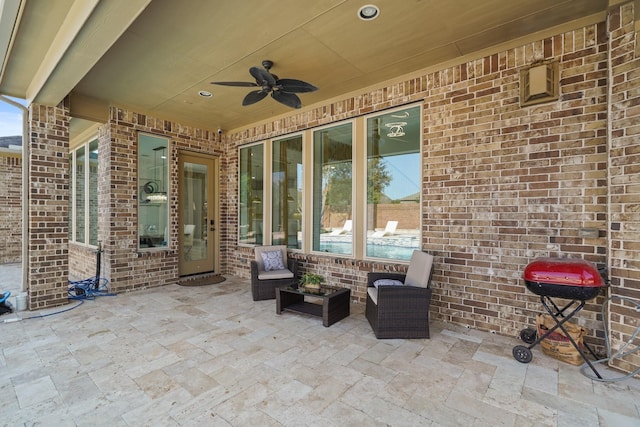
254,96
262,76
286,98
295,86
241,84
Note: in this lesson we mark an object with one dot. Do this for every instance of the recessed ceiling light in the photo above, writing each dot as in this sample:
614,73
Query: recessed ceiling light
205,94
368,12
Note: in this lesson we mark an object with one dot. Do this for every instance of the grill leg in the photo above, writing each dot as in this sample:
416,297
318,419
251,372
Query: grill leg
560,324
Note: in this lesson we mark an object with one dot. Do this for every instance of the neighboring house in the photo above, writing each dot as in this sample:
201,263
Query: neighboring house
10,199
510,168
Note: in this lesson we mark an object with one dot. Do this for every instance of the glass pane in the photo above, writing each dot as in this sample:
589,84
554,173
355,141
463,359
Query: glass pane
93,193
195,213
153,179
332,190
80,194
251,194
71,195
287,192
393,184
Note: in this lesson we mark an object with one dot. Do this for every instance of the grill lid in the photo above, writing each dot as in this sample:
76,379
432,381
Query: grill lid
563,271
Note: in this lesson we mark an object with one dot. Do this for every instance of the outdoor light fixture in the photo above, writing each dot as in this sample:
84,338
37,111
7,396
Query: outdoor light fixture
205,94
368,12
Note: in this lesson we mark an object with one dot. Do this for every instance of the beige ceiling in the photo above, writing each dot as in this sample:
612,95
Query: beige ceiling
154,56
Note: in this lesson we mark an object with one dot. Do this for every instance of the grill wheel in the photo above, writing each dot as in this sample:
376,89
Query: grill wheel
528,335
522,354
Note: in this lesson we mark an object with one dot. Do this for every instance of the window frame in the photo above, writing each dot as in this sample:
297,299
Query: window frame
90,222
309,247
272,187
365,162
266,193
161,199
359,184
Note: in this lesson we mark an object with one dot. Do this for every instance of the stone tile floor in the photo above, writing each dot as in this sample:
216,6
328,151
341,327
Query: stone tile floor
210,356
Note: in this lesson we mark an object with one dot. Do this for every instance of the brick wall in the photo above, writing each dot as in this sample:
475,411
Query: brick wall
48,235
624,181
502,184
125,266
10,207
82,262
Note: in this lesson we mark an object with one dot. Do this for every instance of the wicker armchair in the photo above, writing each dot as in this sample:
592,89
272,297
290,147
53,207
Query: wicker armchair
401,310
264,282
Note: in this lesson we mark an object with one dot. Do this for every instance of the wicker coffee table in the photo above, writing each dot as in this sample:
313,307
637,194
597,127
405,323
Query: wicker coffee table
330,302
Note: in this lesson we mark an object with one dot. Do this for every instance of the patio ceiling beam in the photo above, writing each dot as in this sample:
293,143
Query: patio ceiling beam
90,28
9,12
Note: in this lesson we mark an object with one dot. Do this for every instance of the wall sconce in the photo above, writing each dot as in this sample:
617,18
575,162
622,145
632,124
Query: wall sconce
539,83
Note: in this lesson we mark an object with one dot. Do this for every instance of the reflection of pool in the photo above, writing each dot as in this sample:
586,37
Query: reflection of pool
373,250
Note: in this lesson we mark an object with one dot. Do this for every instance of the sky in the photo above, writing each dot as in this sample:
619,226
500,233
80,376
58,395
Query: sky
10,119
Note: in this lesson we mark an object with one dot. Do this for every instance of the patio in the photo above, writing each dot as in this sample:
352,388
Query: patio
194,356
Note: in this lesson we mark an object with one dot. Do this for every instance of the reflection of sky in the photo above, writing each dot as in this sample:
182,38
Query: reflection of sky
405,171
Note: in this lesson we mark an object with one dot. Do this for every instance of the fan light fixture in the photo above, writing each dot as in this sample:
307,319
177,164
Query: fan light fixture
368,12
282,90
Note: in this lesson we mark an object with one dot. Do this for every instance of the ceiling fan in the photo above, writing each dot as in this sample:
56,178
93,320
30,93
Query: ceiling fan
282,90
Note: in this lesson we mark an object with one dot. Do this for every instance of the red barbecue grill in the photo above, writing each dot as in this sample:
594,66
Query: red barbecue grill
573,279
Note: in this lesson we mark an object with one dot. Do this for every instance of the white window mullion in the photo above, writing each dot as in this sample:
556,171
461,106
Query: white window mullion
87,196
72,236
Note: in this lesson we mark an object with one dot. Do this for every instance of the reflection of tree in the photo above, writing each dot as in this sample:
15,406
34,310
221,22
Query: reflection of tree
378,178
339,184
338,195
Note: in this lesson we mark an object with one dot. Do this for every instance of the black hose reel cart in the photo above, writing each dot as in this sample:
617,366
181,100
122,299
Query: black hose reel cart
570,279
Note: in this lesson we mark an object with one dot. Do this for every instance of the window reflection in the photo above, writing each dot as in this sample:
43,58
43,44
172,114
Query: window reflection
393,184
251,195
286,179
333,189
153,184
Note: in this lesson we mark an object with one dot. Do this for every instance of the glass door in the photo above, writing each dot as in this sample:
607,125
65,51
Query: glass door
198,221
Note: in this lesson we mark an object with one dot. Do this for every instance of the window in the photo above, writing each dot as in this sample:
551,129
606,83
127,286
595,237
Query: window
286,194
83,203
332,189
360,195
153,185
251,195
393,184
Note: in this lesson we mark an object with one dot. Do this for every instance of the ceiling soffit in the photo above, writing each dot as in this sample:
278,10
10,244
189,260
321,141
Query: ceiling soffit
154,56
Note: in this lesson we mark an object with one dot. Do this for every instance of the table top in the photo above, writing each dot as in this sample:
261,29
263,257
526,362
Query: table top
324,291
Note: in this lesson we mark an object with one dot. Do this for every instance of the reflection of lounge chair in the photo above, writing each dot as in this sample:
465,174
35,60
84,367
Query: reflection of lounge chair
187,243
388,230
346,228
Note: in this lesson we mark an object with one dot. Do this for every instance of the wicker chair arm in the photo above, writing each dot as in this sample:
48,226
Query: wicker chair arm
403,299
373,276
254,269
292,264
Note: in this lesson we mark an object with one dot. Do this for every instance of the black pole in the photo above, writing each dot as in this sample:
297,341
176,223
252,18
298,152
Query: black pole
98,262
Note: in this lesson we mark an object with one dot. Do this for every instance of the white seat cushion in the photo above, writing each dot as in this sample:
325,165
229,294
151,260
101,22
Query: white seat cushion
275,274
373,293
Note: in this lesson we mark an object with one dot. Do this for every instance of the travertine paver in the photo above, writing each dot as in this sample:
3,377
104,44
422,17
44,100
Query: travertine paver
180,356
